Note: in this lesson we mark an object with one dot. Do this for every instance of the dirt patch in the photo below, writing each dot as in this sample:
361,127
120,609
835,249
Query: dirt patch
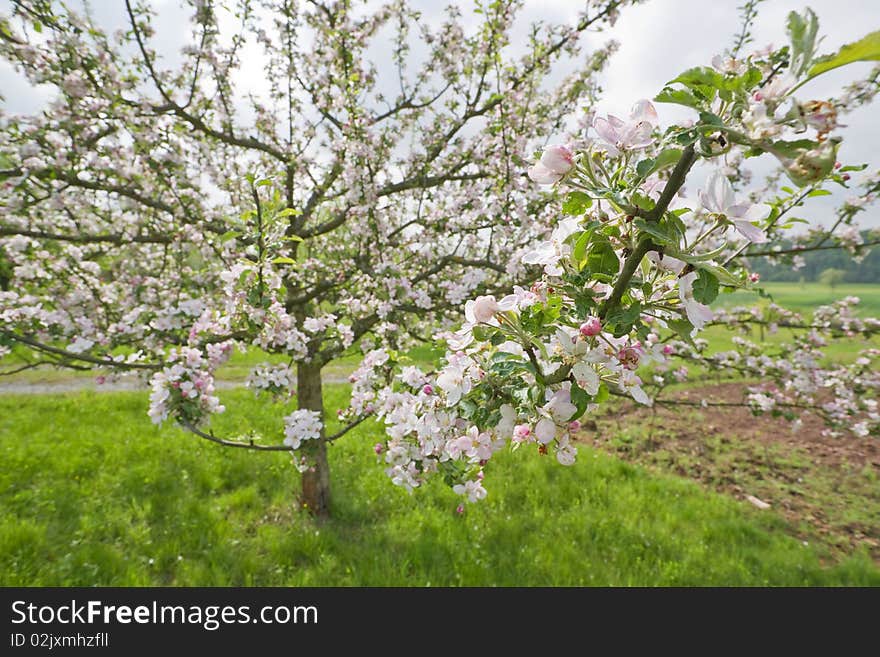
827,488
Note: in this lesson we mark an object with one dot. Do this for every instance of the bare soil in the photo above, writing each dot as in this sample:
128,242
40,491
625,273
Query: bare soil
828,488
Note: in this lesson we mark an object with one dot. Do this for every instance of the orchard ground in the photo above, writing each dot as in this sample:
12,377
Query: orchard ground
92,493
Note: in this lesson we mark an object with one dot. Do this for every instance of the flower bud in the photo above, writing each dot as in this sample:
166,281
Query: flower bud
485,308
593,326
558,158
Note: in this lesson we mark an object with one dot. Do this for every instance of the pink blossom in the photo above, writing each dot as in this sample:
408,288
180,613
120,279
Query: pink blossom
555,162
620,135
718,198
522,433
591,327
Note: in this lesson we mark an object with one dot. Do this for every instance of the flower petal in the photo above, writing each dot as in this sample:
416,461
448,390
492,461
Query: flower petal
605,129
542,175
751,232
644,110
558,159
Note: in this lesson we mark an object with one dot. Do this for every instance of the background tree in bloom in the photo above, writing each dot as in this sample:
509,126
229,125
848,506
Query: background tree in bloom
155,217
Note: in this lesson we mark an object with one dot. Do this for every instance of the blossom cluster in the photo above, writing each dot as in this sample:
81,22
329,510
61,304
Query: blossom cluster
184,389
629,276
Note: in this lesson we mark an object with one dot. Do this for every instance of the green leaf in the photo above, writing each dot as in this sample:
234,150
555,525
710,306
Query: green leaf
666,158
865,49
794,148
682,328
576,203
229,235
819,192
603,259
724,277
802,33
699,77
602,394
679,97
644,167
656,231
642,201
623,319
580,398
705,287
744,82
698,258
283,260
580,249
287,212
711,119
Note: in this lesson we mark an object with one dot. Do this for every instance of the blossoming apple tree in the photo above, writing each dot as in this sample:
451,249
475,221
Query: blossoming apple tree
158,214
632,267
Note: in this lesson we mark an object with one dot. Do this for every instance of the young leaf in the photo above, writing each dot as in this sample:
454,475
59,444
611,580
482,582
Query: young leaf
679,97
603,259
576,203
705,287
865,49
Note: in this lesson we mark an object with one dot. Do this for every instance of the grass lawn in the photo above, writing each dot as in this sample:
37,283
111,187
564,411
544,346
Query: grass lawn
804,297
92,494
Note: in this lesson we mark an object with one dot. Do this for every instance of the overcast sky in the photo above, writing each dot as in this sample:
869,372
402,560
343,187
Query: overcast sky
657,40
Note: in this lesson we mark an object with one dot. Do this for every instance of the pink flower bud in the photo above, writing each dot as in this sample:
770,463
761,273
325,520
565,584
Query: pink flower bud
428,389
558,159
459,509
668,350
754,277
485,308
593,326
574,425
378,448
352,379
101,380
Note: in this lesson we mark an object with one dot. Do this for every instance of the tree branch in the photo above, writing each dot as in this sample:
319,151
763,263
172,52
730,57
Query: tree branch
676,180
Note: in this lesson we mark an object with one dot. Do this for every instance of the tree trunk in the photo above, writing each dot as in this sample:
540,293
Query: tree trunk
315,480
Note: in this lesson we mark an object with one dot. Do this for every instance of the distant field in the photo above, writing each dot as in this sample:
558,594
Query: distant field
804,297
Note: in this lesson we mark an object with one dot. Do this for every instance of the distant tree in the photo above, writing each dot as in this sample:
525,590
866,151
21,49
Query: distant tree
832,277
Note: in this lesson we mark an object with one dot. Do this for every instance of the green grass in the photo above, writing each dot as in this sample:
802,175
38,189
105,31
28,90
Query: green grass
92,494
804,297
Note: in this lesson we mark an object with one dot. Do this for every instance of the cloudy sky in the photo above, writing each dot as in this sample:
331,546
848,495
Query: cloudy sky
657,40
